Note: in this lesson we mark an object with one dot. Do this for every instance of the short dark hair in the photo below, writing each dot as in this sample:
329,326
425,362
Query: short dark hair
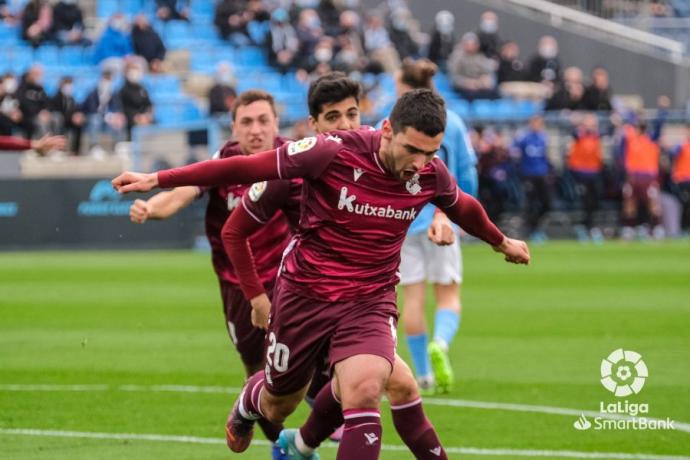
249,97
418,74
331,88
421,109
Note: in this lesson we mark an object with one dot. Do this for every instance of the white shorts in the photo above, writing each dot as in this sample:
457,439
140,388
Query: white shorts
421,260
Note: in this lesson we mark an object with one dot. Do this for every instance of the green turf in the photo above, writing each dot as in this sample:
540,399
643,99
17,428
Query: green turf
530,335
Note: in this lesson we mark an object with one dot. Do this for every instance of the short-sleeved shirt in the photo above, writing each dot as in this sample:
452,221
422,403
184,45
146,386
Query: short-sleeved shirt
354,214
267,244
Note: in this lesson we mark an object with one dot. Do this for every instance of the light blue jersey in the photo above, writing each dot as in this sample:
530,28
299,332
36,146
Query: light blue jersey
458,154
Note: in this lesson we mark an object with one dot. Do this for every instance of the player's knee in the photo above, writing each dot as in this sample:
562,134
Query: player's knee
402,389
277,408
365,393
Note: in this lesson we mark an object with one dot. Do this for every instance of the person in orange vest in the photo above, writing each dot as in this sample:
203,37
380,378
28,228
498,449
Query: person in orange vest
585,163
639,153
680,175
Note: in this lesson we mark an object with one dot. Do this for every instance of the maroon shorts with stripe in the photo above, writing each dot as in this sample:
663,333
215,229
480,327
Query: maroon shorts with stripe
303,329
248,339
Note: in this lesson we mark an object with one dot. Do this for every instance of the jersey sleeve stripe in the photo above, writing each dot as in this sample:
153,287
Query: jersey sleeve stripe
457,195
254,216
278,162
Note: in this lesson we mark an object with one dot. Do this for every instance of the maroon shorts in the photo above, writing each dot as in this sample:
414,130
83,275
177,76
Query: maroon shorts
302,329
641,188
248,339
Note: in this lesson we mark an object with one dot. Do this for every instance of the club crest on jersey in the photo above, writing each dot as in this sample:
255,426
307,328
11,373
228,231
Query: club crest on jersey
413,186
233,201
257,190
301,145
358,173
334,138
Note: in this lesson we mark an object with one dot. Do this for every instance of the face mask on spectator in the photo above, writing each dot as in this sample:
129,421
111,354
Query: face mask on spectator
548,52
323,54
226,78
444,22
119,24
314,23
348,57
134,75
67,89
400,24
10,85
488,27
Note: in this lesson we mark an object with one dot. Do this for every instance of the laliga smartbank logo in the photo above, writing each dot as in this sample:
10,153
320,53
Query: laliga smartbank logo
623,373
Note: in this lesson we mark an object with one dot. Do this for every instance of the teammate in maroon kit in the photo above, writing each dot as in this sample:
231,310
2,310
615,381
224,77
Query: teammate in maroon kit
42,145
255,129
337,281
333,105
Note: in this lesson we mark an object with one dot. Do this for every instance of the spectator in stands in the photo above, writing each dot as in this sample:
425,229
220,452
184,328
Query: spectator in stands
103,111
401,34
530,148
231,21
258,22
37,21
148,44
378,45
585,164
569,93
67,115
489,41
545,67
472,73
115,43
172,9
680,175
10,115
282,41
598,94
136,103
222,94
6,15
510,66
33,103
68,23
351,56
442,38
309,33
639,153
331,14
493,167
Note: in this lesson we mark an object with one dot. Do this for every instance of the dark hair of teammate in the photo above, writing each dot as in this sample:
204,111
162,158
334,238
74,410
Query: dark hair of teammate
333,87
421,109
251,96
417,73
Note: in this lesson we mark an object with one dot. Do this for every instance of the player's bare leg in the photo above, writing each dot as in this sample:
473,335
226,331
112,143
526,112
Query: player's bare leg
361,380
270,430
415,325
447,324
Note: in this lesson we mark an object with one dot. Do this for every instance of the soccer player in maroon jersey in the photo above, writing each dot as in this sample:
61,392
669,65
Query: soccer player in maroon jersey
336,288
333,105
42,145
255,129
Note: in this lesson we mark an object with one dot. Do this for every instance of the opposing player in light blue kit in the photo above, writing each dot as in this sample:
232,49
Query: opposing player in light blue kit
422,261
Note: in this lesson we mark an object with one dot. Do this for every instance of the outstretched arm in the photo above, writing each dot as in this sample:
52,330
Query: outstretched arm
163,204
469,214
227,171
235,235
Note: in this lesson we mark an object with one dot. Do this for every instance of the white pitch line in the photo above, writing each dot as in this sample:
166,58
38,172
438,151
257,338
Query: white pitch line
386,447
488,405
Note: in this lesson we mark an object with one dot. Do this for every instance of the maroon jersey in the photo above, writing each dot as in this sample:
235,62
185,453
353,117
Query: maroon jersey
267,244
265,199
354,214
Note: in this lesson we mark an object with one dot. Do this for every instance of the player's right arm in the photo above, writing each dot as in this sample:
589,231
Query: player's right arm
163,204
307,157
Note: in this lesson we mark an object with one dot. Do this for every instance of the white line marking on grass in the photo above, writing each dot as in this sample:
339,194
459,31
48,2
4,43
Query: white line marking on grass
679,426
386,447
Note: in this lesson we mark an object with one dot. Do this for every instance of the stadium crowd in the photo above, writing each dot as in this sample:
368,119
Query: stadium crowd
520,170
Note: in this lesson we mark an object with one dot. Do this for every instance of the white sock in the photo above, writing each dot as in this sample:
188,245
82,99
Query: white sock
301,446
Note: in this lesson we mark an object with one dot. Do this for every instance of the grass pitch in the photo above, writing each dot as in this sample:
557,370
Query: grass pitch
133,343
